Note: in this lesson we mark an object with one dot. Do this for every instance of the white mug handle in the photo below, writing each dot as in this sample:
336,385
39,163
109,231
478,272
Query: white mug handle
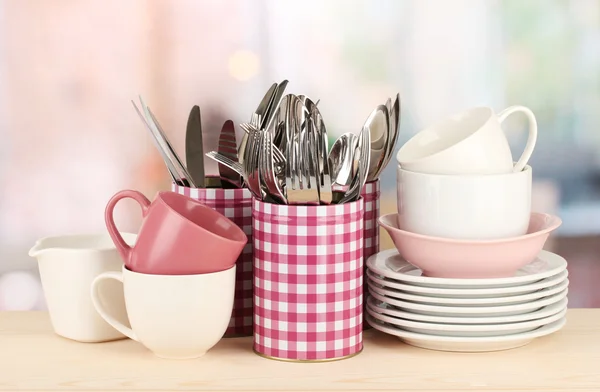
531,139
95,291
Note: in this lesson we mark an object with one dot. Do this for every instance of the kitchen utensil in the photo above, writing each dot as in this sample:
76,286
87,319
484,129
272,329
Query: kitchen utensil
267,170
470,301
307,164
465,330
467,344
268,117
194,150
321,152
186,178
370,195
362,154
464,206
235,204
175,317
68,265
178,236
378,124
278,156
308,277
492,292
258,116
470,311
277,126
390,264
226,161
394,131
341,163
228,147
293,175
252,152
546,311
471,142
451,258
176,177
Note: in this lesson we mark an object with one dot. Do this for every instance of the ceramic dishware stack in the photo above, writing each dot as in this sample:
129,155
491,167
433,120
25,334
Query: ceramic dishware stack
224,193
469,272
179,277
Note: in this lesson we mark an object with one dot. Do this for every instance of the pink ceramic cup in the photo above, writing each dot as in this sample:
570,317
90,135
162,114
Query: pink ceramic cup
178,236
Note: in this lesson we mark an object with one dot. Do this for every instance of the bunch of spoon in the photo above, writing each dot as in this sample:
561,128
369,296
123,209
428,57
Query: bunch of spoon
284,158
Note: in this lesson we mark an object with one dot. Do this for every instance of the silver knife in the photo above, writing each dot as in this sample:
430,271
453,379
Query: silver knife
194,149
166,145
168,162
228,147
267,119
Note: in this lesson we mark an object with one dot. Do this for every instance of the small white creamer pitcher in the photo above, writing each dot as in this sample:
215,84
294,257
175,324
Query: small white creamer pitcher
68,265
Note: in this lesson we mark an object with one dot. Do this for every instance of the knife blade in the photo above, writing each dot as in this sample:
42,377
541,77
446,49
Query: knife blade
228,147
274,106
167,147
168,162
194,148
260,113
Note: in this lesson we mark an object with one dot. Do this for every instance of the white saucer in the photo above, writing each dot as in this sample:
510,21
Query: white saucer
462,344
471,311
390,264
472,292
382,307
515,299
466,330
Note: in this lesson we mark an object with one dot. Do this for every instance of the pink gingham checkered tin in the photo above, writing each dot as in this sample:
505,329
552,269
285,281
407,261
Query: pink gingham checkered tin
308,274
235,204
370,194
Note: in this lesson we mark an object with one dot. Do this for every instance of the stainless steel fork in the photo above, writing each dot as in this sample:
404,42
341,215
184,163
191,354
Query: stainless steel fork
267,171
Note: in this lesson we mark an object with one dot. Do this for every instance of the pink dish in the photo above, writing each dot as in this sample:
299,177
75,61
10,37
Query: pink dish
453,258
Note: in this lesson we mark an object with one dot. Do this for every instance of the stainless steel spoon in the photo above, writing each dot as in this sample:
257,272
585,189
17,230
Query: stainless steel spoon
341,163
378,124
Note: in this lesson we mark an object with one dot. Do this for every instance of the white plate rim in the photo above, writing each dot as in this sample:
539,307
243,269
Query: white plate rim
543,312
546,292
539,332
500,328
473,309
560,265
398,285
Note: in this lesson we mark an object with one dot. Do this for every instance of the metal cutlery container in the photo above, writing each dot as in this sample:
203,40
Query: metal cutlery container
370,195
235,204
308,281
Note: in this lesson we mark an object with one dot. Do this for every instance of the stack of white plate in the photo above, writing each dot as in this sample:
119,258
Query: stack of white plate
466,314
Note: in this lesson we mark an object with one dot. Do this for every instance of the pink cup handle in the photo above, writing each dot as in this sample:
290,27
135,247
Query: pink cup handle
122,247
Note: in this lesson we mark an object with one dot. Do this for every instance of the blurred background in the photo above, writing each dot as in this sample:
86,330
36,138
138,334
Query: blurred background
71,139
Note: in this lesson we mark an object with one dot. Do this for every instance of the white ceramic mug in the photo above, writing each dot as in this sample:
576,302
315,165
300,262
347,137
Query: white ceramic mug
68,265
474,207
471,142
174,316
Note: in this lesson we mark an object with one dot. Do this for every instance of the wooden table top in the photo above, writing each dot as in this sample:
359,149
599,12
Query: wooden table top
33,358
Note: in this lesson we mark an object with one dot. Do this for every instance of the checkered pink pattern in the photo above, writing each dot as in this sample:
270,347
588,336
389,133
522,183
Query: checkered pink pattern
370,194
308,274
235,204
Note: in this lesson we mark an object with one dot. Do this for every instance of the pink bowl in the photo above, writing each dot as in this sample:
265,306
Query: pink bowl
450,258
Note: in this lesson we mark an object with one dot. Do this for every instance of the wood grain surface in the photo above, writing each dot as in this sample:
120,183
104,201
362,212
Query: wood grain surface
33,358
